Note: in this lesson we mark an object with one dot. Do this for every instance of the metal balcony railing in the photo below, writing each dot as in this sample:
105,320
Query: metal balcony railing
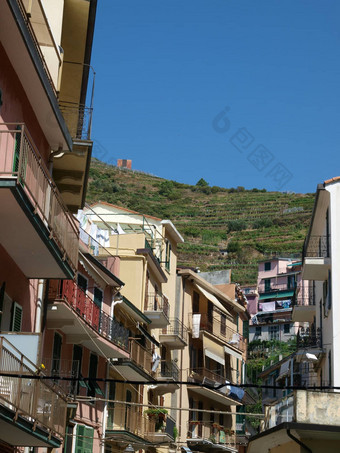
176,327
304,295
141,356
23,162
63,368
208,377
309,337
78,119
218,327
168,370
316,247
157,302
39,401
89,311
273,287
213,432
131,419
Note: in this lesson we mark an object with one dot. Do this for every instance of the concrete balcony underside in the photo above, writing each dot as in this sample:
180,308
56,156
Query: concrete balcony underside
303,313
206,446
214,395
122,435
61,316
27,239
316,268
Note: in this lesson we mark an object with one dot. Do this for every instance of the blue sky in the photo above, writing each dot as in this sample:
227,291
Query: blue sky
239,92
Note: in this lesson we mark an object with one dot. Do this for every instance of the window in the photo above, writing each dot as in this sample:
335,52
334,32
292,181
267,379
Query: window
76,369
286,328
56,353
223,324
258,331
267,266
291,282
16,317
93,387
82,282
195,302
246,330
98,297
167,254
267,285
274,333
84,439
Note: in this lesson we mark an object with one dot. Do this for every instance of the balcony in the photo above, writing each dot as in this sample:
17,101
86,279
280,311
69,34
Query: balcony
138,367
157,309
316,258
312,417
304,304
126,423
175,335
167,376
39,233
274,287
71,169
82,321
208,436
207,383
309,337
163,434
32,411
220,330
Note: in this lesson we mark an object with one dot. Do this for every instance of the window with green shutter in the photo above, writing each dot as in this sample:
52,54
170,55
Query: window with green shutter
84,439
16,317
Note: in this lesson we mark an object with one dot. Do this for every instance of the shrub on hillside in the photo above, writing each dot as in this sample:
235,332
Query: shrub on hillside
237,225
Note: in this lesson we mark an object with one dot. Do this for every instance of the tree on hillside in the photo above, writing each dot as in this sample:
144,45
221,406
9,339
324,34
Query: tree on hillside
202,183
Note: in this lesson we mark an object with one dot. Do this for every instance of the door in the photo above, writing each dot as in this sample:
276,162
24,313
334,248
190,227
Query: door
128,414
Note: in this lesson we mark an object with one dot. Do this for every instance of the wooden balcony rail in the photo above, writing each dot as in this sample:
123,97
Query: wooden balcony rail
316,247
129,418
176,327
39,401
213,432
157,302
141,356
217,326
22,161
89,311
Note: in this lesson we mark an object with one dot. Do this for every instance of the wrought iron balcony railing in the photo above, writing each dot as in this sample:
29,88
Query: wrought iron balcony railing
176,327
275,287
39,401
168,370
22,161
90,312
218,327
309,337
78,119
304,295
130,419
212,432
157,302
316,247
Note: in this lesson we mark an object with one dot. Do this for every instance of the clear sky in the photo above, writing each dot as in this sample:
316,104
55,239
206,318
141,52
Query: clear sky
239,92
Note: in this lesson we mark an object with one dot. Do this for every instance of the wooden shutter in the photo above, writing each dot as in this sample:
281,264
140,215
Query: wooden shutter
84,439
16,317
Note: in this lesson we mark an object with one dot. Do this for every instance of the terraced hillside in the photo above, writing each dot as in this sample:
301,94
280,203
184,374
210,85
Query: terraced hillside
222,227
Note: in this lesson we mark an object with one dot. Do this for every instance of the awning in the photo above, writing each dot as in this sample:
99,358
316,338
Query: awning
214,350
284,369
230,351
277,295
213,299
147,335
98,272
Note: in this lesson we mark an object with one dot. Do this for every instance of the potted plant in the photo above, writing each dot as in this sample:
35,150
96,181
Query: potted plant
158,415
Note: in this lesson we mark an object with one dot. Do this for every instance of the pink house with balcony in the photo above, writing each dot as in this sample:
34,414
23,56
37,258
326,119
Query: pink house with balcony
279,282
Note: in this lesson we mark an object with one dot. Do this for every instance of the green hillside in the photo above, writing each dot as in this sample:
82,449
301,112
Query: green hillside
248,224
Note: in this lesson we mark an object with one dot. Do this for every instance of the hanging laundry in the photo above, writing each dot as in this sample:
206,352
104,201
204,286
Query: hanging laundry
155,361
196,324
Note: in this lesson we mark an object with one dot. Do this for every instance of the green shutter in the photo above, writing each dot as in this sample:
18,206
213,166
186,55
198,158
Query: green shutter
16,317
84,439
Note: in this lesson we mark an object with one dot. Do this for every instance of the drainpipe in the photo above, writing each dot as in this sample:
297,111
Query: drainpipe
38,312
102,448
181,368
298,441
